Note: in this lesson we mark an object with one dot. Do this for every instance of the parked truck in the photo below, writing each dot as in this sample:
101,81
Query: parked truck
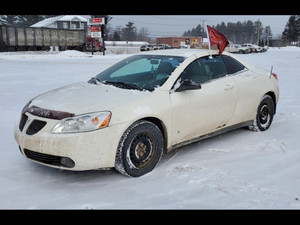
30,38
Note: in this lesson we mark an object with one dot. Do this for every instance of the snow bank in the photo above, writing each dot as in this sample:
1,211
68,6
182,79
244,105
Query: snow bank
43,54
126,43
72,53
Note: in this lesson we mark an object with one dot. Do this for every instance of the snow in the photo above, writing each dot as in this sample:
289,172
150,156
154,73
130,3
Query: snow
241,169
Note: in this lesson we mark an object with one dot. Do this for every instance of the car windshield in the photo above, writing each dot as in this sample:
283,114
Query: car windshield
141,72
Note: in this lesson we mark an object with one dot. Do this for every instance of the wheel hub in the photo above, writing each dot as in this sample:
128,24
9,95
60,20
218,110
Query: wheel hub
141,150
264,114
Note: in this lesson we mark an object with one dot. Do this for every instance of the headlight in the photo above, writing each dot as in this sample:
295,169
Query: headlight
82,123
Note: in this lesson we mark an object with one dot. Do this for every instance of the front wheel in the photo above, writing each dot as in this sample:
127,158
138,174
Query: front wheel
140,149
265,114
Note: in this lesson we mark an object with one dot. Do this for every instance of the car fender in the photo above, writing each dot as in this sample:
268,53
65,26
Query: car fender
155,105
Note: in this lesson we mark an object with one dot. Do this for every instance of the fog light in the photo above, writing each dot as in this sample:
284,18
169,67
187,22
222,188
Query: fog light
67,162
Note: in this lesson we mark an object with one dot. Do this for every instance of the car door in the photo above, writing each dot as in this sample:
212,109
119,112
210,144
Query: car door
250,89
200,111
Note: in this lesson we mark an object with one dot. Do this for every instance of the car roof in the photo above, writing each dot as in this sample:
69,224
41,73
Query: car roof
186,53
181,52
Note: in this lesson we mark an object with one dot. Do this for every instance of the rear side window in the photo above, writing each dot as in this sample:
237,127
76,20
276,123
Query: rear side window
232,65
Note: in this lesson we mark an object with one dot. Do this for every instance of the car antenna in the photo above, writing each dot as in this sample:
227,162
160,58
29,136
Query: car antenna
271,71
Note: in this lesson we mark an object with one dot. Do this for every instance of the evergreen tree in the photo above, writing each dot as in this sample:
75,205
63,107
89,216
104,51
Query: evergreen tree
221,27
129,32
10,20
197,31
22,20
116,36
291,31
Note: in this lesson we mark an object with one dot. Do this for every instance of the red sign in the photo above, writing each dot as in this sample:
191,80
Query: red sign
95,31
95,28
96,21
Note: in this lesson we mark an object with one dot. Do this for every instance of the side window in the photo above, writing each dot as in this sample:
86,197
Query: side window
196,72
205,69
215,66
232,65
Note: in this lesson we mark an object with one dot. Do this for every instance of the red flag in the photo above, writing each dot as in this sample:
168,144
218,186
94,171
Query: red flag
217,38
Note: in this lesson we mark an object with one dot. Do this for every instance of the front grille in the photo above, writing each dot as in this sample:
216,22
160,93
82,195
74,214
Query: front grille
49,159
23,122
35,127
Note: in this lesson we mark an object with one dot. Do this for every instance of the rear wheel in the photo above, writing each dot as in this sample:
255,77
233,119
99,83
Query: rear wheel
264,116
140,149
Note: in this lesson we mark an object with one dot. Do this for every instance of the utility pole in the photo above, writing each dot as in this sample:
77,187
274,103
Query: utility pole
103,35
203,25
268,33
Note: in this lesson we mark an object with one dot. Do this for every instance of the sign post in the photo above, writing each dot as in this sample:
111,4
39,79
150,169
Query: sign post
103,43
97,30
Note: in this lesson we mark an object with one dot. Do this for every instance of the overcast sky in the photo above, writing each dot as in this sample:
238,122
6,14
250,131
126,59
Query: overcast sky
176,25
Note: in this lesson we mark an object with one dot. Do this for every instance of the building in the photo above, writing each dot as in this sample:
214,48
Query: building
63,22
176,42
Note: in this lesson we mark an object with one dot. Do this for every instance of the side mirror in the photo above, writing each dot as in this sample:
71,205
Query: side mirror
188,85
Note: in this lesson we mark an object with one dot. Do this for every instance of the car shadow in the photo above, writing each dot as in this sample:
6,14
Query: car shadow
45,172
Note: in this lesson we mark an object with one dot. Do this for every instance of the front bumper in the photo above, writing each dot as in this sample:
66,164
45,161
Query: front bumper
76,151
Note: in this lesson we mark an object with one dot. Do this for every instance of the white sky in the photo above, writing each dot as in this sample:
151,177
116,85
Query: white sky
176,25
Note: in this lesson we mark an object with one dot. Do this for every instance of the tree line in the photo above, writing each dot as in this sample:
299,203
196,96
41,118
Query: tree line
22,20
254,32
239,32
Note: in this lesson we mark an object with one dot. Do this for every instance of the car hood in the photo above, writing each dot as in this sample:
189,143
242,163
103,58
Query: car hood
84,97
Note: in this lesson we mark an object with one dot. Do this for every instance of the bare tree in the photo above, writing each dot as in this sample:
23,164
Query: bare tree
143,34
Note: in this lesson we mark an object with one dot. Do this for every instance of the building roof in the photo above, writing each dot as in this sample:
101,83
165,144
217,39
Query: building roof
48,21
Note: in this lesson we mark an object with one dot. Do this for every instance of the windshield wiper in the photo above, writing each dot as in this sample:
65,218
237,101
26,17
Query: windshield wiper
121,84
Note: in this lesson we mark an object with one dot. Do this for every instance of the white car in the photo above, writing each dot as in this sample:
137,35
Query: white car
147,47
236,48
146,105
162,46
253,47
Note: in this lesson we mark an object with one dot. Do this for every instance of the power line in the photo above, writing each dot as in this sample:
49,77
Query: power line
160,24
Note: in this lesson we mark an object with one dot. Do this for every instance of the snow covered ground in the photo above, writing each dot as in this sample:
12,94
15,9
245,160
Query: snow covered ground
238,170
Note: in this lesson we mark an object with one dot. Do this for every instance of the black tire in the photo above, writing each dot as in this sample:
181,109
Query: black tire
140,149
264,115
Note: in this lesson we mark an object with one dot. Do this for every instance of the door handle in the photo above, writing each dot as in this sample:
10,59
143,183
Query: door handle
228,87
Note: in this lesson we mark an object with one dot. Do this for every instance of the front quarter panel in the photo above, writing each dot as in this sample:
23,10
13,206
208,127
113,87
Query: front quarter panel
155,105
